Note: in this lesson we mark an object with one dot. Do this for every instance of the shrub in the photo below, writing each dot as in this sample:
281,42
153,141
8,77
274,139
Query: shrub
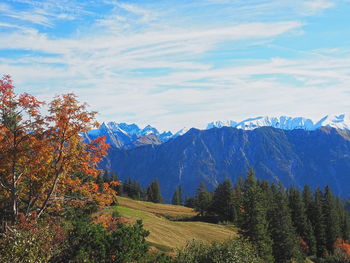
31,242
88,242
232,251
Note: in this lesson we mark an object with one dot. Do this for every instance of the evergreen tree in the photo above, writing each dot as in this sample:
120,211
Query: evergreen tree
106,178
222,203
99,182
331,218
300,220
285,242
202,200
176,197
344,220
118,188
238,201
153,193
254,221
127,187
181,196
318,222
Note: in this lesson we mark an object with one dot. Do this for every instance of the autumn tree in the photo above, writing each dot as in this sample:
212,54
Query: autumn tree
44,163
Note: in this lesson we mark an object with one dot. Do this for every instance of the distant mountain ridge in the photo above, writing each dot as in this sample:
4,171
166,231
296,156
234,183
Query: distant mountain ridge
292,157
127,136
286,123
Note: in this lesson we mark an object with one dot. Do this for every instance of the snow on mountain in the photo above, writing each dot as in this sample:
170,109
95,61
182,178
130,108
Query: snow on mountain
123,135
286,123
181,132
148,130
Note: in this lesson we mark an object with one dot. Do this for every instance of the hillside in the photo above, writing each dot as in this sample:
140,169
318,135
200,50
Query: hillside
166,233
292,157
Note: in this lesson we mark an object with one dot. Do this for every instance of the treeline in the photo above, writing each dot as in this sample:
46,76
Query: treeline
283,224
133,189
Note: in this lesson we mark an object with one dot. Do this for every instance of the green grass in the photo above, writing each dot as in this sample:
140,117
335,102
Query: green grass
167,234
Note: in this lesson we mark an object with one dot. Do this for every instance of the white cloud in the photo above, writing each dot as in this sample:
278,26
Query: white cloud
316,6
157,74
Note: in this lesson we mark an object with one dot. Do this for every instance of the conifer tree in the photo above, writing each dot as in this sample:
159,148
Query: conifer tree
222,203
238,201
99,182
181,196
254,218
176,197
202,199
300,220
318,222
285,242
119,187
153,193
331,218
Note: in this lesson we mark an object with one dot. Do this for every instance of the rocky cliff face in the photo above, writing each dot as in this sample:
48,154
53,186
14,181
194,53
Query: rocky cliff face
293,157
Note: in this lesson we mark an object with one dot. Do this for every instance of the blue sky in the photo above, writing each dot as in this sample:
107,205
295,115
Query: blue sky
182,63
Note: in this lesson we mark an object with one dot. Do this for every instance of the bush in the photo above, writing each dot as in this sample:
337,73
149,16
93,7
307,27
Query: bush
91,243
31,242
232,251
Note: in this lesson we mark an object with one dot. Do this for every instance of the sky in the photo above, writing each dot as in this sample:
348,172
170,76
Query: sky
181,63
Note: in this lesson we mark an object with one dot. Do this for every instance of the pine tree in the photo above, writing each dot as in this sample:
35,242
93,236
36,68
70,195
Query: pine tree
202,200
300,220
238,201
254,218
222,203
181,196
318,222
331,218
99,182
176,197
106,178
118,188
344,220
153,193
285,242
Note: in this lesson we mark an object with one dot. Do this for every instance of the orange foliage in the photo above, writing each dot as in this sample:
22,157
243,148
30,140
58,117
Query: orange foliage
343,246
42,156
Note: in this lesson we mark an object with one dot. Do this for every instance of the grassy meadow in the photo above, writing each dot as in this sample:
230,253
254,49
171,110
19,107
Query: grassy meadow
167,224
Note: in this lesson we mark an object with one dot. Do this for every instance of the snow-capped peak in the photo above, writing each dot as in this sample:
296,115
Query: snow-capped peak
286,123
181,132
149,130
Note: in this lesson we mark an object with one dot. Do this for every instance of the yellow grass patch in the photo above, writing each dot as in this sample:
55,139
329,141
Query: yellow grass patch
167,234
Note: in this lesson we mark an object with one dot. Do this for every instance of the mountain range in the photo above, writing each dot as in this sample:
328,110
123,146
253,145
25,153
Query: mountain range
293,151
127,136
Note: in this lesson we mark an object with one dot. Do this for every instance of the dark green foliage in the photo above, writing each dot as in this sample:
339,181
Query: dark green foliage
153,193
238,201
190,201
300,221
344,220
106,177
232,251
177,196
93,243
331,219
285,242
181,195
255,222
318,221
132,189
222,203
202,200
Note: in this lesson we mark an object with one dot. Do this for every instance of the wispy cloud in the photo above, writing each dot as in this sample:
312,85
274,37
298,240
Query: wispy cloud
316,6
171,68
